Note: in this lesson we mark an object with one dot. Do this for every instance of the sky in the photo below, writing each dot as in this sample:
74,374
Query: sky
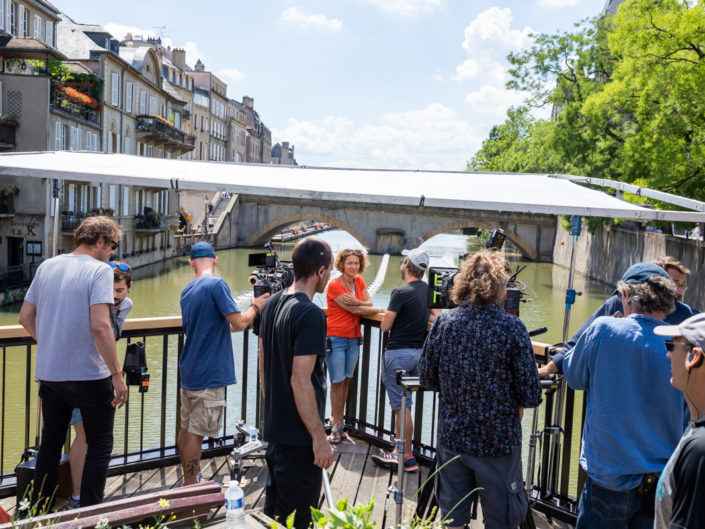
408,84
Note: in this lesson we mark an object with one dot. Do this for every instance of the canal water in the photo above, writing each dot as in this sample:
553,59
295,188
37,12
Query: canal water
159,296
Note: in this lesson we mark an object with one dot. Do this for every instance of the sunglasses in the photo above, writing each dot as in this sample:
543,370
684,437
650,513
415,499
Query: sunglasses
356,252
114,245
119,266
671,345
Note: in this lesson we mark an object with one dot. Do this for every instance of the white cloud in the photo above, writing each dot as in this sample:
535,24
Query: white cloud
294,16
193,54
493,100
438,77
491,32
433,138
406,8
558,3
467,70
231,74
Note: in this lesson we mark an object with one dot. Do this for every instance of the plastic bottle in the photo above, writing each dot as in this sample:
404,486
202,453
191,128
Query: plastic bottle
234,506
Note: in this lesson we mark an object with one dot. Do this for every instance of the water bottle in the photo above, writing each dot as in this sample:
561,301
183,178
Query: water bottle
234,506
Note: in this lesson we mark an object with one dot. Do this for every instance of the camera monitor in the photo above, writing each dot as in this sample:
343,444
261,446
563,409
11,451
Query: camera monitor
262,260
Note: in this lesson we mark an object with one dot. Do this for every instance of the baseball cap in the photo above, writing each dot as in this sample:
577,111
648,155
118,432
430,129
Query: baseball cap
692,329
640,272
202,249
418,257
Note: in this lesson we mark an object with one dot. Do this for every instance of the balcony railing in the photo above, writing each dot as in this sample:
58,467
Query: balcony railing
60,103
162,131
18,276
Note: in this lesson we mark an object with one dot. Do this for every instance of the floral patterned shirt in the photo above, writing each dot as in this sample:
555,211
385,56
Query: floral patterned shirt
481,361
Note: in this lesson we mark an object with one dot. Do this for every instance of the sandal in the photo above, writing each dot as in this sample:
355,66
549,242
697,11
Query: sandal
337,435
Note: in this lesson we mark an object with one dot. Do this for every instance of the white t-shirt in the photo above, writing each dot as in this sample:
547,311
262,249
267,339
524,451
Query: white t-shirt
63,290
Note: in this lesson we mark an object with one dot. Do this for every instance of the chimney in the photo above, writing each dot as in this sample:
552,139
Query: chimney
128,36
200,67
285,145
248,102
178,57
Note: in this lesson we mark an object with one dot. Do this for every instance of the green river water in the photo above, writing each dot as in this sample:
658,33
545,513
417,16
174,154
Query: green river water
159,296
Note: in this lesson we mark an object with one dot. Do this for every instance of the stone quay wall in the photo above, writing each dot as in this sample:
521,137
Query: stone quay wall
610,250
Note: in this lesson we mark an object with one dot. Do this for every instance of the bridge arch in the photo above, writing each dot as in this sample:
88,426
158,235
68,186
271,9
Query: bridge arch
264,234
526,249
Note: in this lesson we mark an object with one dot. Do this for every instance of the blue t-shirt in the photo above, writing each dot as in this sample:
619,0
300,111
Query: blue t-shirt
207,358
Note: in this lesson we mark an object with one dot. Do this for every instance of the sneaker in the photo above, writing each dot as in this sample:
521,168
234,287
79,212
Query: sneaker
391,460
74,503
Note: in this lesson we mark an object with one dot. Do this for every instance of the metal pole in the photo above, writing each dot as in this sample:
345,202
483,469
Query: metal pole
327,491
399,493
570,295
56,195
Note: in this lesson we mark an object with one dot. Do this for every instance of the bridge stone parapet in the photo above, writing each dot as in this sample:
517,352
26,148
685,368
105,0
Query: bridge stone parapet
383,228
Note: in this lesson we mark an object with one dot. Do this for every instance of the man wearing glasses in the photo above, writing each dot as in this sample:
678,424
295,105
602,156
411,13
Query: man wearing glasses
634,417
681,487
67,311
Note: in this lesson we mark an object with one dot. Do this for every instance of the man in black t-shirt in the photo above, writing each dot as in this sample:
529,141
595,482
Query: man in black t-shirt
292,346
406,320
680,493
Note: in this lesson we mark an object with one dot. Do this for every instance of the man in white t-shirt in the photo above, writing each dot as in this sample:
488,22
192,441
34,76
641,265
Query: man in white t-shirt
67,311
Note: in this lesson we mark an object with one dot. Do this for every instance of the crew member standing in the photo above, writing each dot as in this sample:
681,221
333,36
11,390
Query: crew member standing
406,319
209,315
67,311
292,346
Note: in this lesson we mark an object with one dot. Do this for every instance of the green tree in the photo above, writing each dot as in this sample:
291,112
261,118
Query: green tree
626,97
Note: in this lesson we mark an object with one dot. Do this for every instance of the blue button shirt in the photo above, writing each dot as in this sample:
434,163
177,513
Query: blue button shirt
634,417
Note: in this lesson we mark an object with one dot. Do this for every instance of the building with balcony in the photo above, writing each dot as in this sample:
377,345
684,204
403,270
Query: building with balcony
258,145
217,116
236,141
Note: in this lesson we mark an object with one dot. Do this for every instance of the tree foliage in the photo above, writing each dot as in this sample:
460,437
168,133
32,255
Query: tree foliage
626,93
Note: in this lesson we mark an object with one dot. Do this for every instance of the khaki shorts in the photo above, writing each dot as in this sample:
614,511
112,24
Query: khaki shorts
202,411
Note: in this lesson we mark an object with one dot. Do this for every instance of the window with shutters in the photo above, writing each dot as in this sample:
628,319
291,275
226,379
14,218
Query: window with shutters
13,18
177,120
37,27
57,136
125,200
49,33
150,151
115,85
128,145
128,97
152,105
20,18
143,102
2,14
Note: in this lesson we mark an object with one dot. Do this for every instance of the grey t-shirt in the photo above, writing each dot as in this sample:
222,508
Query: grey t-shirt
63,290
119,315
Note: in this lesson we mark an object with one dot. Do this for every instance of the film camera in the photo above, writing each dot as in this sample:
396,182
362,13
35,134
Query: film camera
270,275
440,281
135,366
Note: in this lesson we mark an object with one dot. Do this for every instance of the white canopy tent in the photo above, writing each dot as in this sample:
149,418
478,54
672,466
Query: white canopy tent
522,193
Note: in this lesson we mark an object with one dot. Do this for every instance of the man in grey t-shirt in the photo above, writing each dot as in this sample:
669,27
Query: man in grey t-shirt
66,310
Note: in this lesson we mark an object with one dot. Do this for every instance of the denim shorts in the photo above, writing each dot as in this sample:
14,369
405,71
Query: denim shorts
395,359
342,359
76,416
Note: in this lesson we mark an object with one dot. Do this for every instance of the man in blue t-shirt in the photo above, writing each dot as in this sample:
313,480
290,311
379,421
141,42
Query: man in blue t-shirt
206,366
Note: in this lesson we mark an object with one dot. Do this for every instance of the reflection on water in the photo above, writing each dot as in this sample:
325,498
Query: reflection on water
159,296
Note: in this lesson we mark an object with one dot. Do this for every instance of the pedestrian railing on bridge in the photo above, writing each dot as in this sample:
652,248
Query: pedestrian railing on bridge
146,429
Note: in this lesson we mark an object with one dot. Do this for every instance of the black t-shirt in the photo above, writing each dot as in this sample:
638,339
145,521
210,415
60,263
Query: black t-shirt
411,305
291,326
689,476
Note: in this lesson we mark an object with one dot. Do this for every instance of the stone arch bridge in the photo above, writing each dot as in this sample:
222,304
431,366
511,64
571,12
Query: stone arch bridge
382,228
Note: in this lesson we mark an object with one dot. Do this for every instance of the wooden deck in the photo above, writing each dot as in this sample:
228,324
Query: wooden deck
352,476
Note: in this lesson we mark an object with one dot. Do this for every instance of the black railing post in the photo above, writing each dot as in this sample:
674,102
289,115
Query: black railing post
165,367
364,371
245,362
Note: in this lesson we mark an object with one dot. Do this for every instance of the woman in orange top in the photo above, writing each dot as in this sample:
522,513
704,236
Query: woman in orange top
347,299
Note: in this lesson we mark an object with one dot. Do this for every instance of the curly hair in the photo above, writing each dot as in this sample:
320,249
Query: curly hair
482,279
93,228
343,255
657,294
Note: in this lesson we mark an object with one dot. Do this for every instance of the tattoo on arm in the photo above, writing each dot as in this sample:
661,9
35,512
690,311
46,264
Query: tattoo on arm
193,467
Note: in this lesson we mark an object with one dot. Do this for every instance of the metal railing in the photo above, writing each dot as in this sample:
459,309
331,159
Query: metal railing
18,275
157,126
59,102
146,429
7,134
